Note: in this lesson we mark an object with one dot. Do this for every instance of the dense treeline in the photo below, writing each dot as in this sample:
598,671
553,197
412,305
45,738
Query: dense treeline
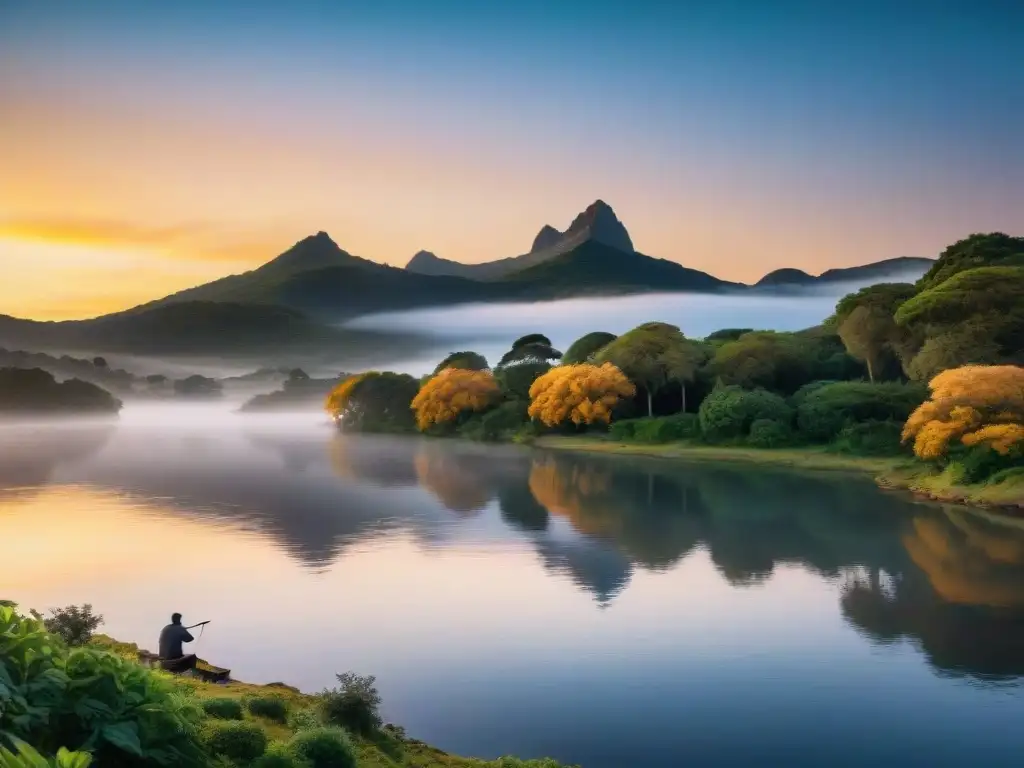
35,391
850,384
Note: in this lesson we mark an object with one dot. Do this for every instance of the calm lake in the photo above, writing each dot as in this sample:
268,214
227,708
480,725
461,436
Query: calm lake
610,612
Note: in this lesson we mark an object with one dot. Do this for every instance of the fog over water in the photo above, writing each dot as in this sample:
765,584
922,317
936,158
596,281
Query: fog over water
490,328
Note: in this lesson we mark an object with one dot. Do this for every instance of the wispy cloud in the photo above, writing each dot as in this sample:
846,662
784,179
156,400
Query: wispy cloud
199,241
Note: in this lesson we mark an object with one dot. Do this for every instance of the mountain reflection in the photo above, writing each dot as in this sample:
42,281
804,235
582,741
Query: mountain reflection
950,581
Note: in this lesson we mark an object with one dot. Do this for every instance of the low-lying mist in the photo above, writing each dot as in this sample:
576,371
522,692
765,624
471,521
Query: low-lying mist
490,328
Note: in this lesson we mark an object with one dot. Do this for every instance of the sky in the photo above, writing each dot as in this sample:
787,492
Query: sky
148,147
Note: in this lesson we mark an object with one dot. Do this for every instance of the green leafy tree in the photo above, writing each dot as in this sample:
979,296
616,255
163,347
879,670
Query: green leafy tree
74,624
532,348
585,347
978,250
354,705
726,334
515,380
466,360
992,295
780,362
375,402
865,323
969,344
655,355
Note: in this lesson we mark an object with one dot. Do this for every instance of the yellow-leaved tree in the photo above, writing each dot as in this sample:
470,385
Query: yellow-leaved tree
338,400
582,394
451,392
976,404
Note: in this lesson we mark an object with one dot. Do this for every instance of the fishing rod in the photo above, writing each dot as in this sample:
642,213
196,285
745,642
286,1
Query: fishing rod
200,624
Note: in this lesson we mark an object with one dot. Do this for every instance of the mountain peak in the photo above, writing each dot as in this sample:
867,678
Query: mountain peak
313,252
546,238
422,257
599,222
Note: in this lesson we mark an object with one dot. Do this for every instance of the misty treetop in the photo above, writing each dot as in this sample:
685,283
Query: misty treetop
35,391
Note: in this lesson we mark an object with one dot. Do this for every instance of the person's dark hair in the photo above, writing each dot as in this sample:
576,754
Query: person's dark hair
175,618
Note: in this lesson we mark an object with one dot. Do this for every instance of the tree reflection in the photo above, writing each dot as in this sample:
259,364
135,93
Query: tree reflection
961,596
371,461
456,480
952,581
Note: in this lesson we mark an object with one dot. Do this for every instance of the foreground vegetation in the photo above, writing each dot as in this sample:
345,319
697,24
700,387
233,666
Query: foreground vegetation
68,698
927,373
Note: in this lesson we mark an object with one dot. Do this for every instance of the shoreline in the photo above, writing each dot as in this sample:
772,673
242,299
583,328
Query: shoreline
889,473
389,748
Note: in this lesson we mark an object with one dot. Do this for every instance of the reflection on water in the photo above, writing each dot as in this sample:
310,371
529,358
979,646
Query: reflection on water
568,605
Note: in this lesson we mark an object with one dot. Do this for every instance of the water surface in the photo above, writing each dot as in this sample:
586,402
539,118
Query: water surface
604,611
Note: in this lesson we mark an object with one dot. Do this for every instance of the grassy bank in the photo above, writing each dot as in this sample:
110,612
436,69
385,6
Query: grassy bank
387,748
1004,492
798,458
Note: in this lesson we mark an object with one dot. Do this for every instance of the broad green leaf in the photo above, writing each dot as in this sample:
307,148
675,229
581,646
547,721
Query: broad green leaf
67,759
124,736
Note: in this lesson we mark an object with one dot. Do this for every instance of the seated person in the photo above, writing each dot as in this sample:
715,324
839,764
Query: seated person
172,656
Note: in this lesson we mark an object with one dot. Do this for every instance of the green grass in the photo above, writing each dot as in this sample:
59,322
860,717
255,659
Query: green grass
1004,490
811,457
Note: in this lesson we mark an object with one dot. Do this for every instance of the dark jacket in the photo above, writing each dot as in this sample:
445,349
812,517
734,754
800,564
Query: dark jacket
171,638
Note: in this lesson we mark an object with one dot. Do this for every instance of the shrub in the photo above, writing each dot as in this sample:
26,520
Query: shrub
223,708
728,412
515,380
239,741
1006,475
498,422
660,429
74,625
280,755
980,463
327,747
355,705
769,433
825,411
869,438
808,389
623,429
665,429
271,707
52,696
304,719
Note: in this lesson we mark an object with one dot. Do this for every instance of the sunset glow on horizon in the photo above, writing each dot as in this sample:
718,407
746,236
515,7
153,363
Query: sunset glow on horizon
149,149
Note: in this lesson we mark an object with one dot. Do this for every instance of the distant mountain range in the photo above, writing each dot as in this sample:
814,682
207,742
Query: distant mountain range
285,302
906,268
